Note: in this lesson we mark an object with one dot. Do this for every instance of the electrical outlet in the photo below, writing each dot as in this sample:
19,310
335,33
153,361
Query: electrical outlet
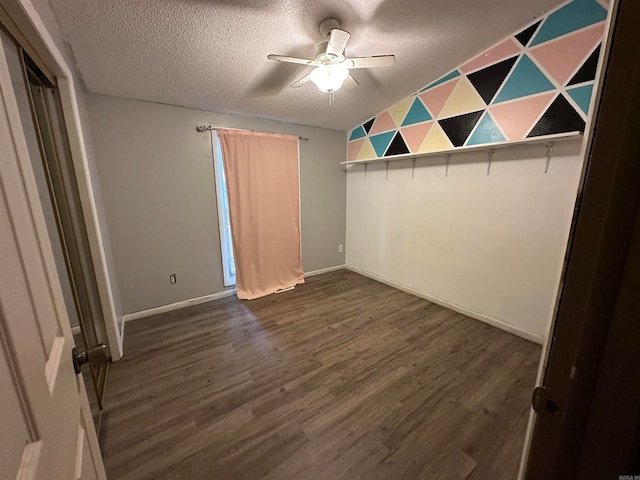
340,248
172,278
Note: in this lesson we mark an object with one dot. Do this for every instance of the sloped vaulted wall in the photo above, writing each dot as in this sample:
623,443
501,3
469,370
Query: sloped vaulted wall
537,82
488,243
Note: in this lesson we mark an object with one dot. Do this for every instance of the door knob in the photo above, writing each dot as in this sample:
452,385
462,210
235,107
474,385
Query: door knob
543,402
96,354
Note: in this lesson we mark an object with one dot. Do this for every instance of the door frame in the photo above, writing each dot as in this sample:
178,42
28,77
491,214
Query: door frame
32,28
33,309
591,365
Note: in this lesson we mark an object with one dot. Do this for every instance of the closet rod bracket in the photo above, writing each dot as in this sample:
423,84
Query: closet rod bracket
548,160
489,160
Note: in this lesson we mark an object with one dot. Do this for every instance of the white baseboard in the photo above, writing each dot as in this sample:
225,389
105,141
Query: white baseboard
176,306
207,298
534,337
323,270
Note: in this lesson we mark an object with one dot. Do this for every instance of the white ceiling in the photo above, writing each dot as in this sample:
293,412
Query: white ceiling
212,54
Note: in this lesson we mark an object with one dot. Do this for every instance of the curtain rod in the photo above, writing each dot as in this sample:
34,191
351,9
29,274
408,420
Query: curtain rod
206,128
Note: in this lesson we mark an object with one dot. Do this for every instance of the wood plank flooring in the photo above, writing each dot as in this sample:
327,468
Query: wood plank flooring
342,377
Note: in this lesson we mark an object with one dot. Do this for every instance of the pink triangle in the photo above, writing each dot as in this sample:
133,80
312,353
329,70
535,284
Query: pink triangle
415,135
562,57
435,98
517,118
383,123
353,148
501,51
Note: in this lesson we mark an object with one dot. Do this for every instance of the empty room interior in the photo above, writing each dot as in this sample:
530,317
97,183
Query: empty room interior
307,240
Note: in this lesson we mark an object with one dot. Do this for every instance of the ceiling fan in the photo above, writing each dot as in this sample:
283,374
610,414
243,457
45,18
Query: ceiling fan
331,66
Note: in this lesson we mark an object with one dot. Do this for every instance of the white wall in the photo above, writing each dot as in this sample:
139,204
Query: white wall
492,245
157,182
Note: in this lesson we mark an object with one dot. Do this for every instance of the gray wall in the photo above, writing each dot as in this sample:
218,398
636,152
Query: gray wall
157,182
102,220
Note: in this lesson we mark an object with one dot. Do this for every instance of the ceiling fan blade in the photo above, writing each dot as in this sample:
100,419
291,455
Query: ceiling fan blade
337,41
284,58
369,62
350,83
301,82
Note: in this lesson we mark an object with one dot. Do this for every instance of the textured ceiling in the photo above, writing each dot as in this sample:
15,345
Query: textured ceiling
211,54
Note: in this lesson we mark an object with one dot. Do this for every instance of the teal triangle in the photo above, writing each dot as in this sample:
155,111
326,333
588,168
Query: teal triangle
582,96
381,142
525,79
571,17
447,77
357,133
486,132
416,114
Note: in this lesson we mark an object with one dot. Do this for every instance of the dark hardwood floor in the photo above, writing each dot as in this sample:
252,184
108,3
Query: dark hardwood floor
342,377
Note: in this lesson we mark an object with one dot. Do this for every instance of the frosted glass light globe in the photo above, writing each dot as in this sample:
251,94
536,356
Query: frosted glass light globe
329,78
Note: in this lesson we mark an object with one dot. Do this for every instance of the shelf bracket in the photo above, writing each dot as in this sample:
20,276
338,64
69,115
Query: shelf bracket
446,168
489,159
365,171
549,153
387,174
413,167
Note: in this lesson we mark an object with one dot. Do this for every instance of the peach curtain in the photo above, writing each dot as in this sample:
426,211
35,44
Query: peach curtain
264,207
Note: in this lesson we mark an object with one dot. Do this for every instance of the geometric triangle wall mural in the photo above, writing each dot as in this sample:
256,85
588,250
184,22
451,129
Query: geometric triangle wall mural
397,146
443,79
435,98
381,142
538,81
562,56
463,99
573,16
486,132
524,36
384,122
400,109
367,125
435,140
414,135
458,128
357,133
517,118
505,49
488,80
560,117
526,79
416,114
353,148
587,71
366,152
582,96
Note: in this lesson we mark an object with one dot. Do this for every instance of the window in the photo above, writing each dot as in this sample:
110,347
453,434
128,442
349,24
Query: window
226,243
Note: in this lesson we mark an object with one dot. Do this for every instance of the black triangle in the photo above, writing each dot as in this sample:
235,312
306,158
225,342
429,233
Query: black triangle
588,69
397,146
367,126
458,128
488,80
525,35
560,117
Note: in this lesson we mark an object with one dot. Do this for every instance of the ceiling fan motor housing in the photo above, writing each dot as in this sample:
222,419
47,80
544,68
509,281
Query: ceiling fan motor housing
327,25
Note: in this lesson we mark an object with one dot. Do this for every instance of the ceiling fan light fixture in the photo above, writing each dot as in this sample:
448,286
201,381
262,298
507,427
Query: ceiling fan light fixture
329,78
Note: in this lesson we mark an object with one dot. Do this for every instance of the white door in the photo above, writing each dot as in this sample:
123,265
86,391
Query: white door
46,430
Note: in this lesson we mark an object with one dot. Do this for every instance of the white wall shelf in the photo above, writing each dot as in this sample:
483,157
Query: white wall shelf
548,140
